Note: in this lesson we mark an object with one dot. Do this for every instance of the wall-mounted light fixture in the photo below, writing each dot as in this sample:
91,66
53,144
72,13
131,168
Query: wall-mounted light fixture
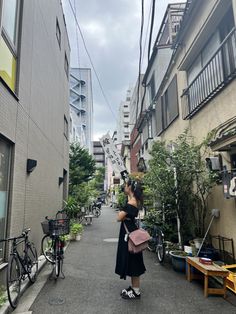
31,164
60,180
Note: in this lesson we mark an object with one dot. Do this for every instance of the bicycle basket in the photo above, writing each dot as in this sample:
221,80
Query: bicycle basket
45,226
59,226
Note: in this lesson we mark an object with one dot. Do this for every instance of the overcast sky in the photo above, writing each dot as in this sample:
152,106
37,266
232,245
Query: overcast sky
111,30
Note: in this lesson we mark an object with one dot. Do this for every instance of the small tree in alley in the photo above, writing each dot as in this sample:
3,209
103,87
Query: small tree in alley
82,170
82,166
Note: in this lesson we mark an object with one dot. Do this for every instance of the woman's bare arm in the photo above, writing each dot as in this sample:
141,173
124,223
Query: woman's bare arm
121,215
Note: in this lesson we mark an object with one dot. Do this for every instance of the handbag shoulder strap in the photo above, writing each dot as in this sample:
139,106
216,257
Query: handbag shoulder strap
126,229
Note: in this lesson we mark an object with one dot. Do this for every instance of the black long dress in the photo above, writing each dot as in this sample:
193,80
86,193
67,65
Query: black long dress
128,264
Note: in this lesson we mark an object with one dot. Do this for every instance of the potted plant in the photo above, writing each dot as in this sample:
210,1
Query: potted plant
76,231
178,259
181,185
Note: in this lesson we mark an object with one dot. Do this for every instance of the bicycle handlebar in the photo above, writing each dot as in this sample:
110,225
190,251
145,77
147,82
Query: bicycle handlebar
23,235
61,211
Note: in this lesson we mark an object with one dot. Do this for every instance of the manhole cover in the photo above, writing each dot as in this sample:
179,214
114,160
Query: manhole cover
56,301
111,240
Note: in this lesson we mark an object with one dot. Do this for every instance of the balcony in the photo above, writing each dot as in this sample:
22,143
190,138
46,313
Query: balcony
216,74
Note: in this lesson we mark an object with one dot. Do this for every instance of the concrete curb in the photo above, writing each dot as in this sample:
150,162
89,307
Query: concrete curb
6,308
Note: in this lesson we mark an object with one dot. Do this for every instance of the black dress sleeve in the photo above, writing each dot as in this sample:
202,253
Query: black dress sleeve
131,210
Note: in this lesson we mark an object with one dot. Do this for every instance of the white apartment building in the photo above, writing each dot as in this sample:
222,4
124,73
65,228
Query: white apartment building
123,128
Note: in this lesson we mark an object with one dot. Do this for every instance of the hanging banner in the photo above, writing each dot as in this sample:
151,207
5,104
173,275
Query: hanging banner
112,153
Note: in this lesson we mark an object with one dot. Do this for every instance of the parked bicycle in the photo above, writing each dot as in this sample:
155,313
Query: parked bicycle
96,208
157,242
20,265
52,243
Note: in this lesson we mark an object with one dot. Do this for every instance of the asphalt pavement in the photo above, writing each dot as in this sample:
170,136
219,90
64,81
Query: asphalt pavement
91,286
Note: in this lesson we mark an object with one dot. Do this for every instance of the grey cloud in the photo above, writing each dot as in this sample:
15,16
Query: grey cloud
111,30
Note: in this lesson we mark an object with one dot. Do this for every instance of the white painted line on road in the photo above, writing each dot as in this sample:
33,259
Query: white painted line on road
111,240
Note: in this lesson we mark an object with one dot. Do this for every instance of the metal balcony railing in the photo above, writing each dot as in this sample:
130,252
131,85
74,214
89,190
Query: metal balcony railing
216,74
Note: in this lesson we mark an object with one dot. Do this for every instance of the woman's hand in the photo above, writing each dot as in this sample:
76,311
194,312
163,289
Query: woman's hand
121,215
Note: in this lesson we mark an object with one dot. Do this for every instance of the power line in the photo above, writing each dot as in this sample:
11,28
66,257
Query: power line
77,40
140,56
90,59
151,28
146,35
149,48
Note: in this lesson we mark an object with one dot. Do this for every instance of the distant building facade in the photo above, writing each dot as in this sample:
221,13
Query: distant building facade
123,128
98,154
81,107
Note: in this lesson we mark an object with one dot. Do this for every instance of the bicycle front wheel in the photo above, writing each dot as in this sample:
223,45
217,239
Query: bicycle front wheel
47,247
32,262
13,281
160,249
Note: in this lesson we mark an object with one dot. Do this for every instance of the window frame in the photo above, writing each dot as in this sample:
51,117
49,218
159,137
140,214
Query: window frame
14,48
66,65
166,108
66,128
58,28
1,7
150,128
152,87
9,182
11,45
217,32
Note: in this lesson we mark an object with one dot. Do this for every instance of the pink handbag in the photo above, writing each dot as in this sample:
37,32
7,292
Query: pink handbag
138,240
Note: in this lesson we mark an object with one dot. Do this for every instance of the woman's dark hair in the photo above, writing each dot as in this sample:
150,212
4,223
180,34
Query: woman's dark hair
136,188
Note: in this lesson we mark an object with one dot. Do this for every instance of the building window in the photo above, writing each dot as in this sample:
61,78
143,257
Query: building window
66,66
5,157
126,106
126,136
97,150
159,118
58,33
152,89
8,41
170,107
150,128
212,69
126,116
203,57
70,125
65,127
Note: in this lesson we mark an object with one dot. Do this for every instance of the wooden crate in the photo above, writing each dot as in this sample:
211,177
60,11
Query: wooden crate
231,279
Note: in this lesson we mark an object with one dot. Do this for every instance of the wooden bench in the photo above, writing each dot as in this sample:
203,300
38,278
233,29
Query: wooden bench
207,270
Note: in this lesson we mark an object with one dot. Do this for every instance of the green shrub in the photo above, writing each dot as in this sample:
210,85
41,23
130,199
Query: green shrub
76,228
3,297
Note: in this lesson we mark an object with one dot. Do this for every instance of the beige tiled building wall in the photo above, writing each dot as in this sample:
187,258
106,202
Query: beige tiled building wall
35,122
218,110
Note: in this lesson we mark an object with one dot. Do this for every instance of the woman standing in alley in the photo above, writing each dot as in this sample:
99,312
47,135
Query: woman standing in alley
128,264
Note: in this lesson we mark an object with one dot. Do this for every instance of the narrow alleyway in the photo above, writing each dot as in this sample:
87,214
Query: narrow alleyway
90,285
